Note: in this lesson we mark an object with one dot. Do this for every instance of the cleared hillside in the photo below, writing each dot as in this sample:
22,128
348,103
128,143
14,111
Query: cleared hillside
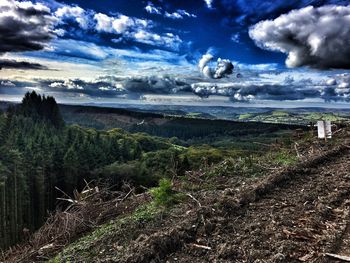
227,213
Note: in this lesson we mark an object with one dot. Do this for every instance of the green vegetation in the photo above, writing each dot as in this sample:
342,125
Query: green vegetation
164,195
292,116
39,152
245,116
282,157
280,113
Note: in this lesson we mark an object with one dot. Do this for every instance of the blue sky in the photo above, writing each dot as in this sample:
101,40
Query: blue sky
210,52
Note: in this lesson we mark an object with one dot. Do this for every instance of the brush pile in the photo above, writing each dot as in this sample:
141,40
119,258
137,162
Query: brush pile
87,209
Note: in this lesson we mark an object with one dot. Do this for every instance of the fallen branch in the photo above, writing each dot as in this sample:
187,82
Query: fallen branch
191,196
267,168
201,246
344,258
296,149
126,196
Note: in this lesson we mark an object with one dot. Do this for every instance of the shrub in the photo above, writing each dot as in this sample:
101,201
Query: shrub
164,195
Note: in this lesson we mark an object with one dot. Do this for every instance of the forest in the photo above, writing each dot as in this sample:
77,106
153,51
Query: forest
41,157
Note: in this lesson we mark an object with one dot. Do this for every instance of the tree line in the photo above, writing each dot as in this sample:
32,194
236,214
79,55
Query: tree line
38,152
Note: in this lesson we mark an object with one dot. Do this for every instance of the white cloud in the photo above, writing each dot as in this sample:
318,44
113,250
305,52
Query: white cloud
209,3
315,37
135,29
150,8
178,14
235,37
224,67
119,24
66,84
73,12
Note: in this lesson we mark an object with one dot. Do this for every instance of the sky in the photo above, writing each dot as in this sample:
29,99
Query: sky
194,52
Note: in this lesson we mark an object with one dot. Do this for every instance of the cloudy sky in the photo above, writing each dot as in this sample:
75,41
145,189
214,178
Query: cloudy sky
194,52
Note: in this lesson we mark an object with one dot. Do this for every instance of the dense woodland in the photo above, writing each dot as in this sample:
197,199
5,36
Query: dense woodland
39,152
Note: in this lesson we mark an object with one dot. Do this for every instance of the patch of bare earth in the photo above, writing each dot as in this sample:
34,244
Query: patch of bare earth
296,215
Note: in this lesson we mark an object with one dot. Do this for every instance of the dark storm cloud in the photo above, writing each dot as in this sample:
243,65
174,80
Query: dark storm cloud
135,87
315,37
109,86
251,91
155,85
13,64
24,26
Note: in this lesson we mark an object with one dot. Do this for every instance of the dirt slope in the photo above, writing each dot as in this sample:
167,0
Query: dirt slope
296,220
293,216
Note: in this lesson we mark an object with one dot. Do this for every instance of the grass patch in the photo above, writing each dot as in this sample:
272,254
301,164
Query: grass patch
283,158
245,116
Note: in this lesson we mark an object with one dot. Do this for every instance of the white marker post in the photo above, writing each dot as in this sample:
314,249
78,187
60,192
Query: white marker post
324,129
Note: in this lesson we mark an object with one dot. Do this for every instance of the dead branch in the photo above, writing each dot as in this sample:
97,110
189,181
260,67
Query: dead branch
344,258
194,199
93,206
126,196
201,246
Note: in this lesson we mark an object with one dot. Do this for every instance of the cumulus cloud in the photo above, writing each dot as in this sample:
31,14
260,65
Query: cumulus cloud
224,67
315,37
250,91
135,29
32,26
337,87
75,13
150,8
119,24
24,26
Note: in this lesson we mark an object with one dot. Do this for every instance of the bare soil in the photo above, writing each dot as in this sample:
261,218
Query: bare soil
296,215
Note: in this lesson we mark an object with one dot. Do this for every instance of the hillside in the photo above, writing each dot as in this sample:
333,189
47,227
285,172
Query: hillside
43,159
128,117
220,191
276,207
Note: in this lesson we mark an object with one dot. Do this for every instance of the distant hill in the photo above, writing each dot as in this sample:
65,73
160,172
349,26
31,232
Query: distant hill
149,118
182,126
